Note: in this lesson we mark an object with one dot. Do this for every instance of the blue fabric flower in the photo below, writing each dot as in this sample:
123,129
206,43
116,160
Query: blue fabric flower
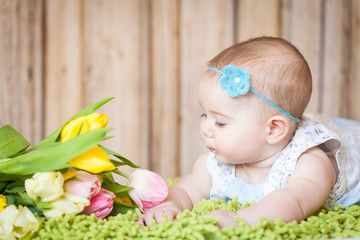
235,81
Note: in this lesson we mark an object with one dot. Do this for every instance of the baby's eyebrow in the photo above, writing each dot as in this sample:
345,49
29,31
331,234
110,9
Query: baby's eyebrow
220,114
216,112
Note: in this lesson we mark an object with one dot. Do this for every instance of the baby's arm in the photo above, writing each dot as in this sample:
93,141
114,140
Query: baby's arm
183,195
306,191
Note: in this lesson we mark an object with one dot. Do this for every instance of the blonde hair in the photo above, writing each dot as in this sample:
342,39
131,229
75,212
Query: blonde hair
277,70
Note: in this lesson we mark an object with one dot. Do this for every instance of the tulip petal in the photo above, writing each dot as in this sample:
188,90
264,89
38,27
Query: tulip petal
94,121
136,199
150,189
7,219
88,186
69,174
101,204
9,214
66,204
2,202
94,160
123,200
83,124
17,222
47,186
103,213
25,223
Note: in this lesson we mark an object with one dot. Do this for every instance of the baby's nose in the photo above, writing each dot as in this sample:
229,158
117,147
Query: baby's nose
206,130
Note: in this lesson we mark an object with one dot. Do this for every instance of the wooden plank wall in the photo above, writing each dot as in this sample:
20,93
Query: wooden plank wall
58,56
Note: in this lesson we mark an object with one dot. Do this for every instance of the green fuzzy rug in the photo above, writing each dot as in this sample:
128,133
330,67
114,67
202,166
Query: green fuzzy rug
324,224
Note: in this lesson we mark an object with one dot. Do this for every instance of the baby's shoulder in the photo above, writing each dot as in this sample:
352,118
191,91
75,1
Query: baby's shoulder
316,162
314,153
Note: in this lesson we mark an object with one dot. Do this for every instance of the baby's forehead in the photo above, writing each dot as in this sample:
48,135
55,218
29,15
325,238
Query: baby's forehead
210,83
209,76
210,91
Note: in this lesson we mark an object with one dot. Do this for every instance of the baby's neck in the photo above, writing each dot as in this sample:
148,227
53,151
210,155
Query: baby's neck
256,172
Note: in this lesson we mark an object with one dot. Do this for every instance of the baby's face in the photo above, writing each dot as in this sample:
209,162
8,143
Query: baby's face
230,128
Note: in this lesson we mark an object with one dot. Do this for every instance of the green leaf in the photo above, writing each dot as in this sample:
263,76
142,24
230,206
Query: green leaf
21,198
2,185
10,177
121,173
15,189
125,194
117,155
116,188
75,179
108,178
11,142
86,111
54,157
117,163
121,208
15,184
34,211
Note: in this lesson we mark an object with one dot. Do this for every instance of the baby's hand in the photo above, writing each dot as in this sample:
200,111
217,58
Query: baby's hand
227,218
157,213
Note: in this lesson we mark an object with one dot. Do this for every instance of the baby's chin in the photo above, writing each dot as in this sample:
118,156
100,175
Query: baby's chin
223,160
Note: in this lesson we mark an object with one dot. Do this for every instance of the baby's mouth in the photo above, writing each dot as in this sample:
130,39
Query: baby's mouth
211,149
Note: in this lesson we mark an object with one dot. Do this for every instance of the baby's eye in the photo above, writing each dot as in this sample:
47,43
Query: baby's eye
220,124
203,115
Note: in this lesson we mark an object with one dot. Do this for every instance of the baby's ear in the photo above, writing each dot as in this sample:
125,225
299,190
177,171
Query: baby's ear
277,128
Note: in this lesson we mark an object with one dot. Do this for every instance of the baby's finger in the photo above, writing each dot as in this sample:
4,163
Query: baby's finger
158,216
148,219
174,215
171,214
141,220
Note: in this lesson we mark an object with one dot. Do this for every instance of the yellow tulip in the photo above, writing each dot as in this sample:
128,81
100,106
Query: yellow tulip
94,160
124,200
69,174
100,177
83,124
2,202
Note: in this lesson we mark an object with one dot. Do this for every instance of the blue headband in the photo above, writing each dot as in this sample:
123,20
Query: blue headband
236,82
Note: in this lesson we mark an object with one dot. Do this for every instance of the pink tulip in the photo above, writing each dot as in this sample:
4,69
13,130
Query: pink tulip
88,187
101,204
150,189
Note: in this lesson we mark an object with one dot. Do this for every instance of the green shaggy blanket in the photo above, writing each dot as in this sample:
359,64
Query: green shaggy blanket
324,224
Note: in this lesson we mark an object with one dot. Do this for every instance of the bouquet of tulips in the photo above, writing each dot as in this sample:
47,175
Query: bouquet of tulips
67,172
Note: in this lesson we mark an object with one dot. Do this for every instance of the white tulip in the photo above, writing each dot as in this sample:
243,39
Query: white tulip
66,204
16,223
47,186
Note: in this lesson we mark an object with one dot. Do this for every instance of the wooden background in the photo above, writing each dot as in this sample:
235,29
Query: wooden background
58,56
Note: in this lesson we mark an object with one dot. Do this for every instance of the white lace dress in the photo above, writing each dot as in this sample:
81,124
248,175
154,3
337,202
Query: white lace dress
341,143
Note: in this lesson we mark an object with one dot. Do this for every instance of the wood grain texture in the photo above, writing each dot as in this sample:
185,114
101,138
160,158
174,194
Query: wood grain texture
56,57
354,78
302,26
116,64
21,67
63,62
165,91
336,54
257,18
202,37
